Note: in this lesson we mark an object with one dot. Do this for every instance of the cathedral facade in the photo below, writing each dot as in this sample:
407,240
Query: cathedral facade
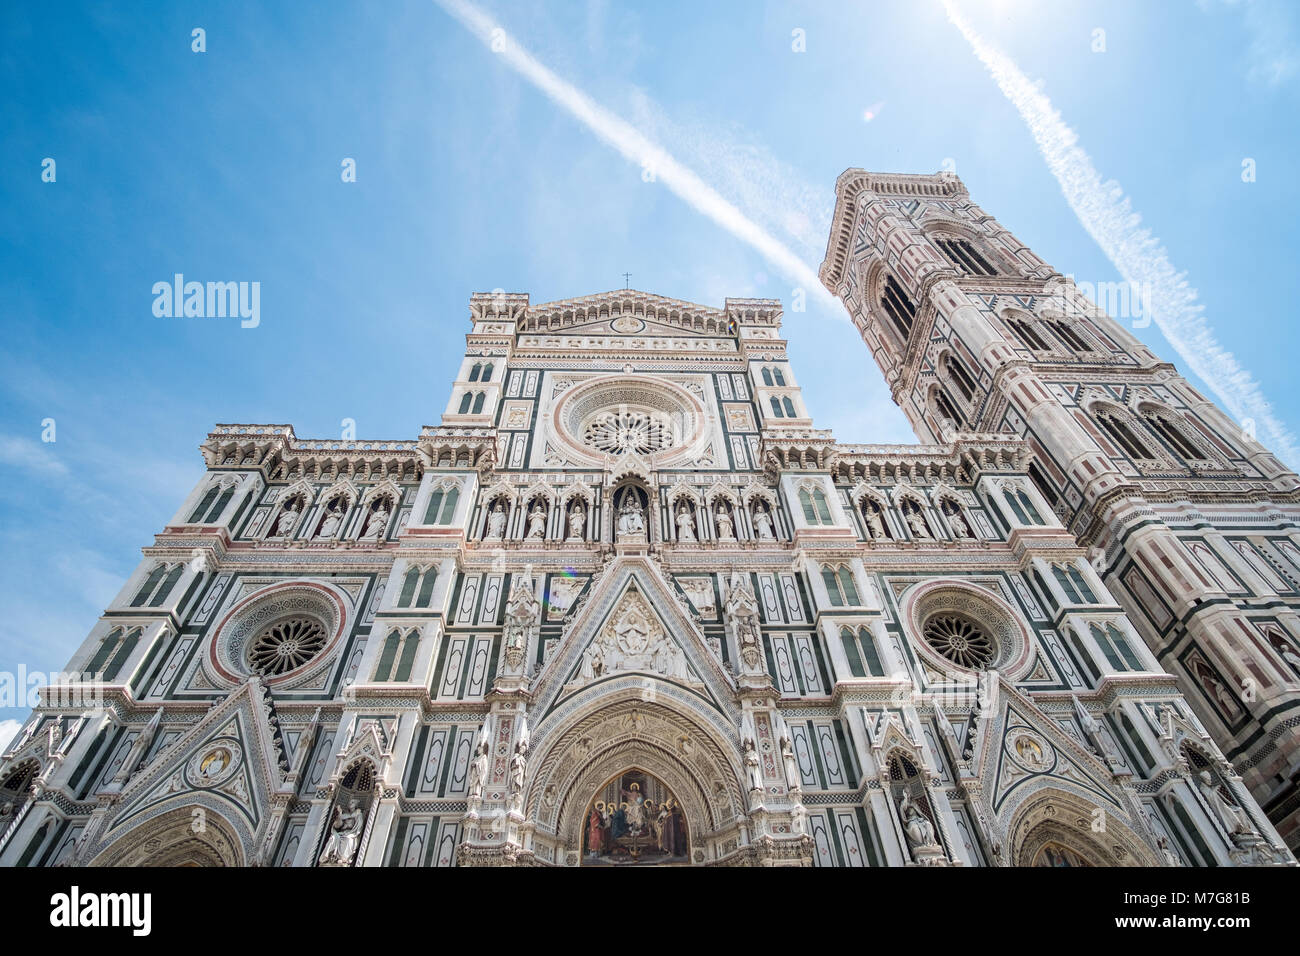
626,605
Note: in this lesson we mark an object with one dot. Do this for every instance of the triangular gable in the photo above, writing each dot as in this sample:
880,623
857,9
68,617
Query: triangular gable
1023,747
627,582
232,754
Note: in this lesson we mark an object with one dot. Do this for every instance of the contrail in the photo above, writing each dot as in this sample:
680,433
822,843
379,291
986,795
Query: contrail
638,148
1141,259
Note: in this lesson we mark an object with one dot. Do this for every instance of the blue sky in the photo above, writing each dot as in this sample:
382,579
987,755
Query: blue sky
225,165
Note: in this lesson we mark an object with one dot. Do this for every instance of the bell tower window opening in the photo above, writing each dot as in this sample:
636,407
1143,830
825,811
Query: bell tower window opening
898,307
963,254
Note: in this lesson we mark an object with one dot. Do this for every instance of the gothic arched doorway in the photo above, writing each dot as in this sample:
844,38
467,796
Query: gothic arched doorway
1055,827
1055,854
635,820
185,836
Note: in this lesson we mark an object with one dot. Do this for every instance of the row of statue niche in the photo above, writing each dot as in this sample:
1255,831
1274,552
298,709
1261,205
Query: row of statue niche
630,522
873,515
536,523
335,512
480,766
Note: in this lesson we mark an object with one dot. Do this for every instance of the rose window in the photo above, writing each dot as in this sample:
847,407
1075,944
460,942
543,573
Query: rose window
628,430
286,646
612,416
960,640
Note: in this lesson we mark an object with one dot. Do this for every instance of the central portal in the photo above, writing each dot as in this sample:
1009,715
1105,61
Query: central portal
634,820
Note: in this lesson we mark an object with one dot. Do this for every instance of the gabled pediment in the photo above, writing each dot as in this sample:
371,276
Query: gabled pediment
634,622
1024,749
233,756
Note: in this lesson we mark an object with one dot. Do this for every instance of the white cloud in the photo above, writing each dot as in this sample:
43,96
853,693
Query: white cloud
40,457
1274,55
8,731
742,170
638,148
1106,213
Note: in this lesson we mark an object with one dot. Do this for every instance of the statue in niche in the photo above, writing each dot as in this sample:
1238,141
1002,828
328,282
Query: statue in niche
537,521
345,834
333,518
577,522
915,520
523,611
753,767
288,519
1234,819
631,517
1214,687
726,528
685,524
875,521
518,770
917,826
1284,649
496,522
763,523
791,764
378,521
741,613
478,768
956,519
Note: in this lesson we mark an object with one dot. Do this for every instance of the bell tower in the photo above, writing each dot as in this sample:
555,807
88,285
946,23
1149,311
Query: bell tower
1193,525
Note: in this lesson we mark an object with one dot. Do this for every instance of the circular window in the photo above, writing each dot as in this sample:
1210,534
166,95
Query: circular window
628,430
960,640
286,645
612,416
958,625
284,633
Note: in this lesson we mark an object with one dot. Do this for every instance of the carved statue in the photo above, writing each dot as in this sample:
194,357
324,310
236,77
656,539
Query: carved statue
345,834
741,612
631,521
792,778
593,662
378,521
537,521
518,769
675,664
523,612
1215,688
1235,820
288,519
726,530
333,518
496,523
685,524
577,521
478,769
753,767
916,522
960,529
763,523
919,829
875,524
633,640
